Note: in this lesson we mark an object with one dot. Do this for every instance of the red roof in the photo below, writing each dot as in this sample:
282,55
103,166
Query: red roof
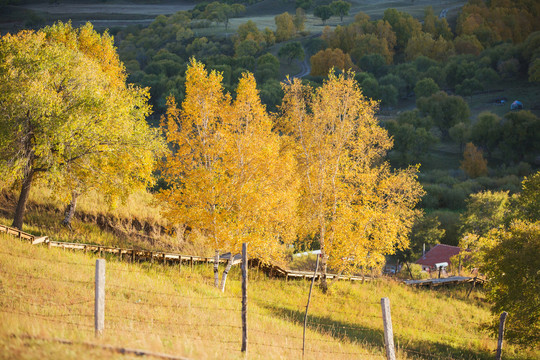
438,254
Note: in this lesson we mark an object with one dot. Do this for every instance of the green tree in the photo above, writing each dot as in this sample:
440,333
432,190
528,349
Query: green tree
403,25
529,198
446,110
221,12
485,211
68,117
291,50
460,133
487,131
323,12
520,138
512,269
425,88
340,8
426,232
304,4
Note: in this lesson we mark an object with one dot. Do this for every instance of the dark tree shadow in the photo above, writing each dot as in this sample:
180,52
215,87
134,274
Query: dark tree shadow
374,337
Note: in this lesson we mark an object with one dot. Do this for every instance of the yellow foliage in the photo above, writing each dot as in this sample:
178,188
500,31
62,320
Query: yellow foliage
231,176
355,206
473,162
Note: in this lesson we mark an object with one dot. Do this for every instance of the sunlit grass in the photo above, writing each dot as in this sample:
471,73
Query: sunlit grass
176,310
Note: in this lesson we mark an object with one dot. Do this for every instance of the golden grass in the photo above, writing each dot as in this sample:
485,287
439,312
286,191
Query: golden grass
48,293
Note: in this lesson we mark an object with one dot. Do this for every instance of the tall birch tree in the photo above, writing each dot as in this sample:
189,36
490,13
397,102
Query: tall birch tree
351,201
231,178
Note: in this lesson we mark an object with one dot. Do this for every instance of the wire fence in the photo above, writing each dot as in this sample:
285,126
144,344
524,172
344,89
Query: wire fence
211,317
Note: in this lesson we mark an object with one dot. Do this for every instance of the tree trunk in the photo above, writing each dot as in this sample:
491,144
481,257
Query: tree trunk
324,269
225,272
70,210
216,269
23,199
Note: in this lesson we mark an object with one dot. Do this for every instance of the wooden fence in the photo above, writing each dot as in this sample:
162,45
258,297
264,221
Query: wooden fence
135,255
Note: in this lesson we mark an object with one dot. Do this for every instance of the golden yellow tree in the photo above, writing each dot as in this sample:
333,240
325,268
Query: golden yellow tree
351,201
231,177
473,162
68,117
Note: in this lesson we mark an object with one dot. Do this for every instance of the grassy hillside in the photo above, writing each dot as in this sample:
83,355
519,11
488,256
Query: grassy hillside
48,293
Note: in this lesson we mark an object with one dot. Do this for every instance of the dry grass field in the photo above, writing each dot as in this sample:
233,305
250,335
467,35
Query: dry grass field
47,294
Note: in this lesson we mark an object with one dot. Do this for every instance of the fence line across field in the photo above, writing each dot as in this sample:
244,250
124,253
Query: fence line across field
101,324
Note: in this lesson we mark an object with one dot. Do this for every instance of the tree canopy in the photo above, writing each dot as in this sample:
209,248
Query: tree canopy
68,117
231,179
352,203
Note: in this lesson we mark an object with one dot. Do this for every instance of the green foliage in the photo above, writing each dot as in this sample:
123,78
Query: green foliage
412,136
340,8
485,211
291,50
529,198
323,12
425,231
512,268
487,131
445,110
520,139
425,88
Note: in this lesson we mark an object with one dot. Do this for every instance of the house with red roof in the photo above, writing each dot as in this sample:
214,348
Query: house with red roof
439,254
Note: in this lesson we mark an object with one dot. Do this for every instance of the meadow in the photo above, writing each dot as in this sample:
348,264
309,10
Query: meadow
46,295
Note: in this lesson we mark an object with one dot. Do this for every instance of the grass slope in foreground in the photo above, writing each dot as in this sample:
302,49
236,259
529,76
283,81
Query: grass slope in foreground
48,293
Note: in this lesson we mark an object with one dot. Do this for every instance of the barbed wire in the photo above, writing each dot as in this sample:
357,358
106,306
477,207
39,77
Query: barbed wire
26,301
182,336
46,260
173,323
399,329
49,278
171,294
47,318
175,306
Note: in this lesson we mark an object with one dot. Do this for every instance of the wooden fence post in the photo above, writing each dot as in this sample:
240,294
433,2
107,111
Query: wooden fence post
307,306
498,355
388,332
244,298
99,305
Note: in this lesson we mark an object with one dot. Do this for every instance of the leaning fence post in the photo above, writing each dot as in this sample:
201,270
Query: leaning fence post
99,306
244,298
307,306
388,332
498,355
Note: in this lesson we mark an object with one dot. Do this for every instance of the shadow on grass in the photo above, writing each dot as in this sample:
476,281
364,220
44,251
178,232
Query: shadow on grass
374,337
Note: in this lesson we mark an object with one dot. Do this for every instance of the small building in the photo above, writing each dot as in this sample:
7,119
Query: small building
438,255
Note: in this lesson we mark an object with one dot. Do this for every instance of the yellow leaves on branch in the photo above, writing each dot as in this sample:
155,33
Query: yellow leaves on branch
230,174
235,180
350,200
